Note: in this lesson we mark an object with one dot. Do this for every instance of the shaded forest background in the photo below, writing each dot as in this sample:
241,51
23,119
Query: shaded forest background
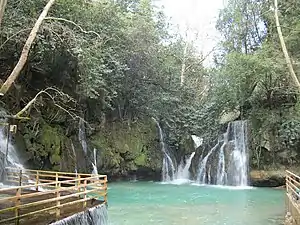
113,65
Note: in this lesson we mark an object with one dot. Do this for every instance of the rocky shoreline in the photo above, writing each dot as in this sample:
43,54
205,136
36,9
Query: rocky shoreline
265,178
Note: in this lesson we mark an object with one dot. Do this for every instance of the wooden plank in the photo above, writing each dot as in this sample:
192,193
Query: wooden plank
292,188
79,188
45,210
35,194
52,183
76,194
294,181
294,175
54,172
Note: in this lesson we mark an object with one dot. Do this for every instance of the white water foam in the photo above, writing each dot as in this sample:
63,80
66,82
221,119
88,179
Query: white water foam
168,168
201,178
82,135
224,186
231,168
197,141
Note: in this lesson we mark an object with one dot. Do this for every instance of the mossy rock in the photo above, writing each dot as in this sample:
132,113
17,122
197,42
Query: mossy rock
52,139
43,143
125,148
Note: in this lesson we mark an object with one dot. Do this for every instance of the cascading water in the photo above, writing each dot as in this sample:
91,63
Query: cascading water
197,141
94,216
168,168
238,166
12,159
74,155
183,172
82,136
95,170
228,165
201,178
221,173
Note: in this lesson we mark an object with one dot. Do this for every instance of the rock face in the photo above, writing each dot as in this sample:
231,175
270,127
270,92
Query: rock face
123,150
128,150
263,178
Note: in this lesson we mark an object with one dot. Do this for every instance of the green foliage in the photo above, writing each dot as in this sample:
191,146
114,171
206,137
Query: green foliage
289,133
252,75
118,60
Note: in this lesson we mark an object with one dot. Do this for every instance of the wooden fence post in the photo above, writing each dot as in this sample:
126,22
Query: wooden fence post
105,189
57,201
79,183
84,189
37,181
56,180
17,205
20,178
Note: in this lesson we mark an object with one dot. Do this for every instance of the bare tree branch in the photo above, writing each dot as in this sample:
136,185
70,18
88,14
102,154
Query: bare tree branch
60,94
24,55
12,36
284,49
76,25
2,9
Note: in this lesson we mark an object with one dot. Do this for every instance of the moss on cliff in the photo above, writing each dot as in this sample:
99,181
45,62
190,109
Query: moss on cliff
43,143
127,148
51,139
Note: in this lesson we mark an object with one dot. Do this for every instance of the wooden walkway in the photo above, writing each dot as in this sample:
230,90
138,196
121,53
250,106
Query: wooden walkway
292,199
42,197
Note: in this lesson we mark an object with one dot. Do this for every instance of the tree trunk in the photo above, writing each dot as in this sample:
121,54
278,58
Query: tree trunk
284,49
24,55
2,9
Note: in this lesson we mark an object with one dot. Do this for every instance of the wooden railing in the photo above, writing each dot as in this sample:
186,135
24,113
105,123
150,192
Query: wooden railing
45,191
293,197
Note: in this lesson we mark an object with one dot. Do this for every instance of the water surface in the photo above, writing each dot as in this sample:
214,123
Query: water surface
145,203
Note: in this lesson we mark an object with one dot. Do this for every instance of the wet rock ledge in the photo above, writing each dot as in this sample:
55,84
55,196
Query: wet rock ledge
264,178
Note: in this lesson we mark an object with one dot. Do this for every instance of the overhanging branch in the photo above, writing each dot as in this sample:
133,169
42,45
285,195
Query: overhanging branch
52,97
25,52
76,25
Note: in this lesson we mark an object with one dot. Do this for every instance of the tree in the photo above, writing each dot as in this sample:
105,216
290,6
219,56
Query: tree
284,49
116,59
2,9
251,74
24,55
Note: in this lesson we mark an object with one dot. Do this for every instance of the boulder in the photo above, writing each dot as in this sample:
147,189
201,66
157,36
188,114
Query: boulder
264,178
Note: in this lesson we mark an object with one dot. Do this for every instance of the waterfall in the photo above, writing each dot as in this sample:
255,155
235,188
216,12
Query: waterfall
197,141
229,165
221,173
238,166
221,167
93,216
183,169
95,170
201,178
12,156
168,168
74,155
82,135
